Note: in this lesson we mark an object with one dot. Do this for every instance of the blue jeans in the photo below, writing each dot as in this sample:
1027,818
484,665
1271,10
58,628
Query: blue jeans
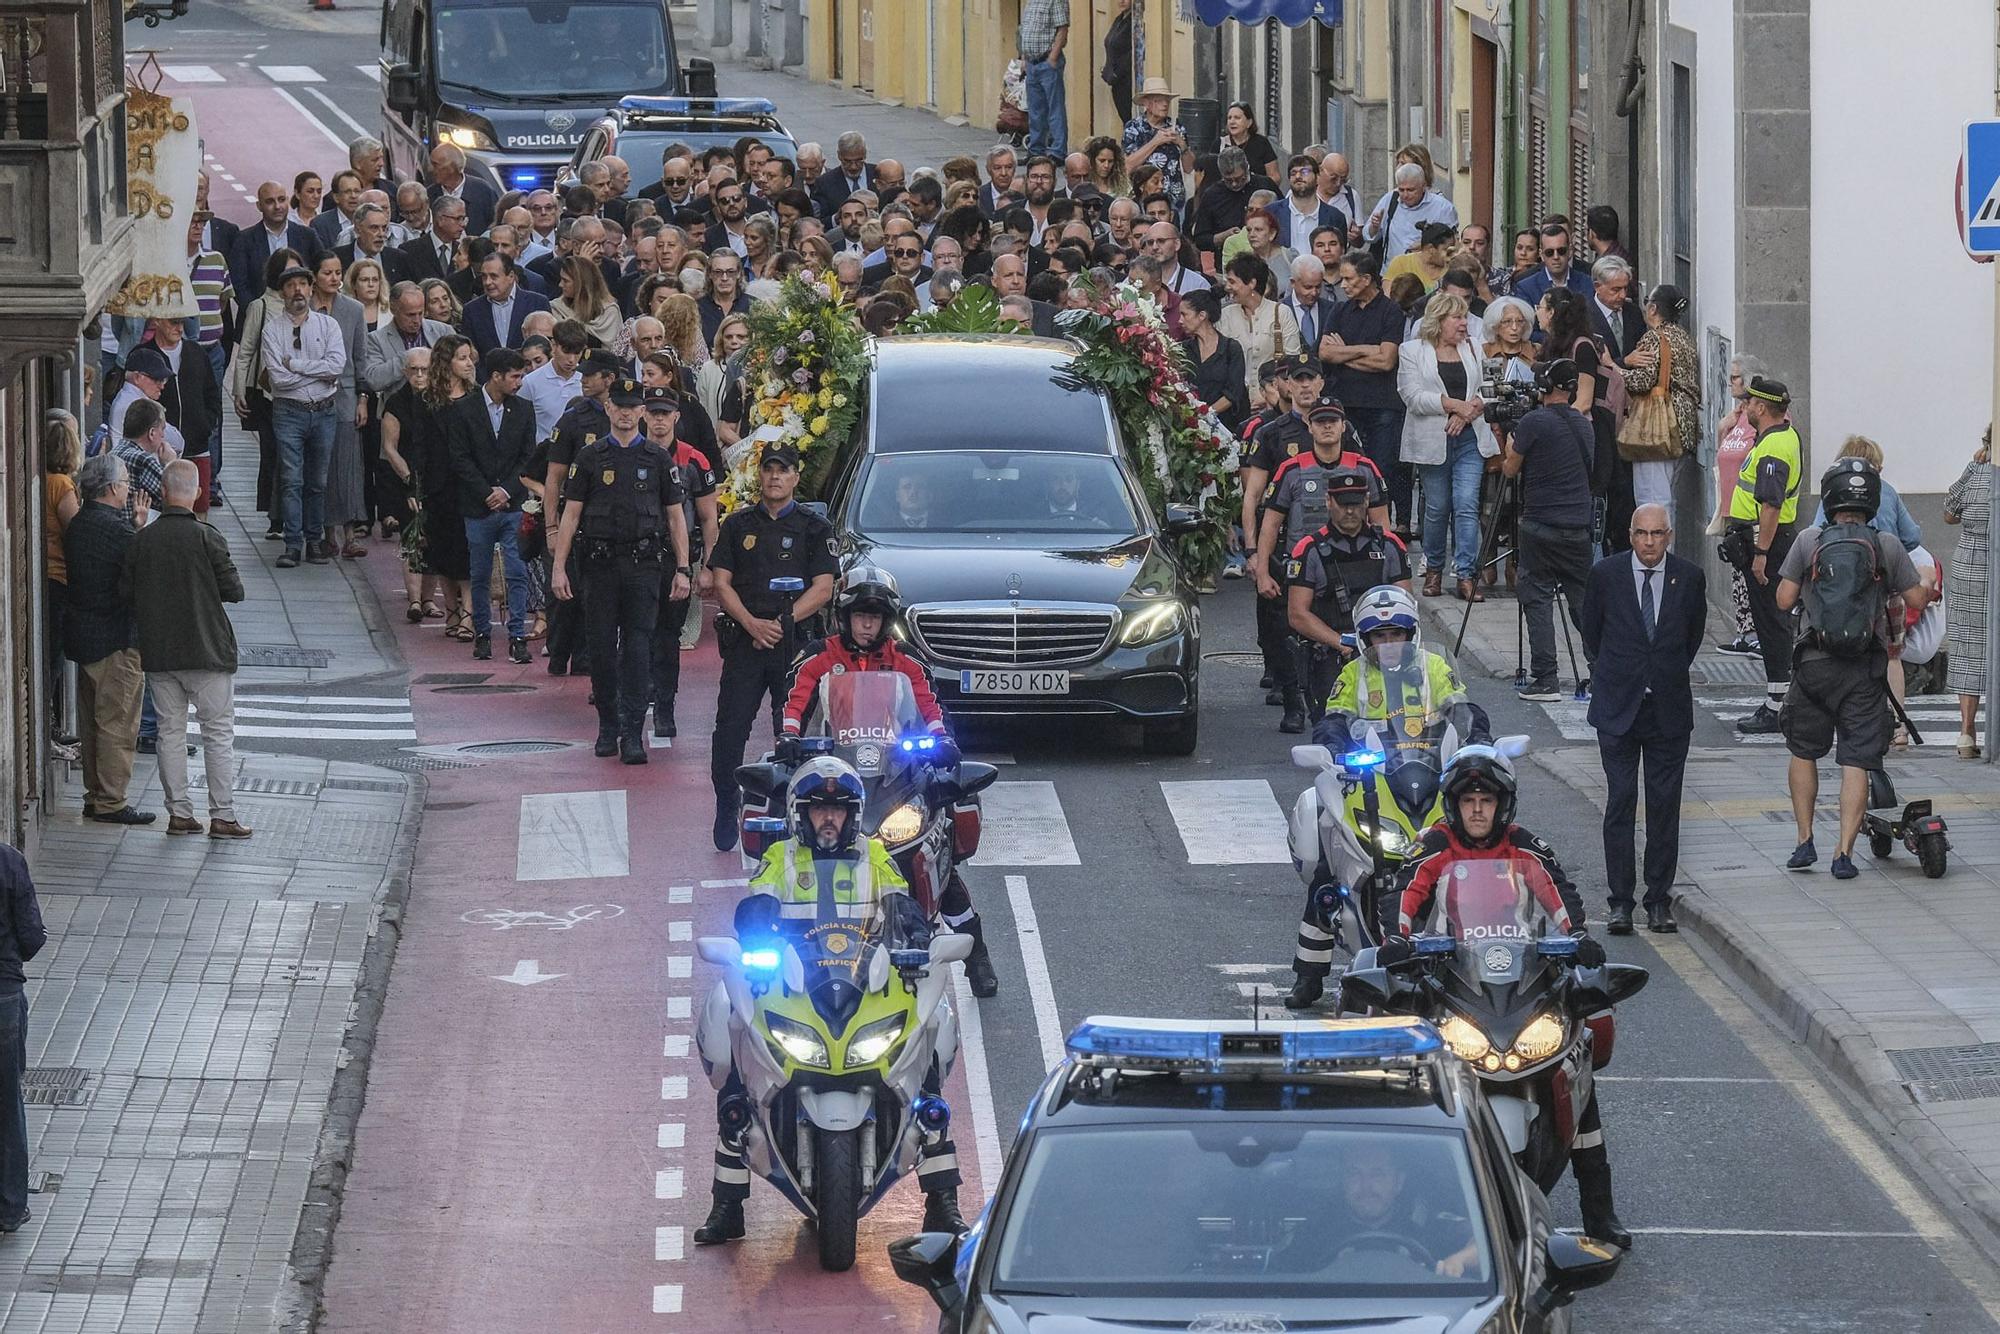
1381,432
1451,491
503,530
1048,112
305,444
13,1111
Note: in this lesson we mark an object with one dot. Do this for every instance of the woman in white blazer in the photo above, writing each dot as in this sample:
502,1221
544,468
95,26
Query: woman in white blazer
1446,439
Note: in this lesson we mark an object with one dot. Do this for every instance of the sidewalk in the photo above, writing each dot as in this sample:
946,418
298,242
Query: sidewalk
1892,980
195,1006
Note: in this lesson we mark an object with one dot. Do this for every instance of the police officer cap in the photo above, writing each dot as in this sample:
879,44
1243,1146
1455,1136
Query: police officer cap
1327,408
1771,391
785,455
1348,481
626,393
149,361
661,398
1273,369
1300,364
599,362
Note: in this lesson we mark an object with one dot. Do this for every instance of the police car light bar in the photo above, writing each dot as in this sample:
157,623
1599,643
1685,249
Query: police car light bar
700,106
1239,1047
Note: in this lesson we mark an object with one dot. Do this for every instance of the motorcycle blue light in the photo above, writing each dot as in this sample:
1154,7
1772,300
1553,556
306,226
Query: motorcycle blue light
1106,1044
916,743
760,961
1362,759
1361,1042
1556,947
1435,945
932,1113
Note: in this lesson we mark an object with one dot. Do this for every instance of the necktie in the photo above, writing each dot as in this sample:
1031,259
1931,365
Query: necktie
1647,612
1306,339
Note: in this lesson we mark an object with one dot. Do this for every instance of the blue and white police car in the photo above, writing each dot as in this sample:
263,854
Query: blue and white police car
1337,1174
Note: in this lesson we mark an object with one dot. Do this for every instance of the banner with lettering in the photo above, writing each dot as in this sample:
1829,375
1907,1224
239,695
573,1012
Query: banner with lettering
163,160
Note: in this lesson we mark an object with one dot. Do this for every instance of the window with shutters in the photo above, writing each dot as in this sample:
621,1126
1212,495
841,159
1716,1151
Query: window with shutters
1538,165
1579,174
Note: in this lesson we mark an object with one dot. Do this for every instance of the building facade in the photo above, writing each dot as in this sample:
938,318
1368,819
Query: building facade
63,254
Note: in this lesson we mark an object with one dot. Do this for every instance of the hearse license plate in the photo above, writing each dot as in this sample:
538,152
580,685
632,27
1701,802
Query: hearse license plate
986,681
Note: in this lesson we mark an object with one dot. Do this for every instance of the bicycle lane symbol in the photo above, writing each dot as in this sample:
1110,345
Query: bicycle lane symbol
507,919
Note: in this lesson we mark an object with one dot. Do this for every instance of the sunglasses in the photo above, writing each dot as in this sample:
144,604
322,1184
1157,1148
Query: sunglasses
904,252
1556,251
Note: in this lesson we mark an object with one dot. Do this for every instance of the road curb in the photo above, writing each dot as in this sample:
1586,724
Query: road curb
1838,1040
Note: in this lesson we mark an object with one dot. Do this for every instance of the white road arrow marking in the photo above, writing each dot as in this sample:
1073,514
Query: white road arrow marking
526,973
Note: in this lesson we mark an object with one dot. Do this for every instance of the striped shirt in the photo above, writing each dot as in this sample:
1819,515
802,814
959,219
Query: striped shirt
208,274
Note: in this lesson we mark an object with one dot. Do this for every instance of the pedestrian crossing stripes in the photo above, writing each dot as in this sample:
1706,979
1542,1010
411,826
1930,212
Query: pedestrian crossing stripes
1233,822
268,716
291,74
191,74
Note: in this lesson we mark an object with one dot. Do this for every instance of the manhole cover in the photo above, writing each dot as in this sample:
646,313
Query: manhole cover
281,655
482,690
56,1086
452,679
1949,1074
1235,659
513,747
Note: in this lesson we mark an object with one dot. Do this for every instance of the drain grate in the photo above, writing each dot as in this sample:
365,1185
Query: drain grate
1234,659
281,655
513,747
1730,671
44,1183
483,690
277,787
364,784
57,1086
416,763
1949,1074
452,679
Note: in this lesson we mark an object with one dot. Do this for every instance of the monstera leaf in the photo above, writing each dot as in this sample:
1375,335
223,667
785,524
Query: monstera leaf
974,310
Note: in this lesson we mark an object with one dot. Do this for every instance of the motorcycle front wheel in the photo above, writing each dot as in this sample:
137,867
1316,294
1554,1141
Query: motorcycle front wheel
837,1195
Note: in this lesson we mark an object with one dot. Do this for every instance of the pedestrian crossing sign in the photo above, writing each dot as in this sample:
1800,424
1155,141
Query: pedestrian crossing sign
1982,187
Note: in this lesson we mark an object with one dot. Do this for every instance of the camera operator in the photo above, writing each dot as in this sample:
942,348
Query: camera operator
1550,451
1759,534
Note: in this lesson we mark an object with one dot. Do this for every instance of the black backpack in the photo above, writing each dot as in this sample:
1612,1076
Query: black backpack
1844,593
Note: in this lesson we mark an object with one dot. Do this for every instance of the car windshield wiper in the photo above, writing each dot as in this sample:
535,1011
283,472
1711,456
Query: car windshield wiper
1012,1291
477,91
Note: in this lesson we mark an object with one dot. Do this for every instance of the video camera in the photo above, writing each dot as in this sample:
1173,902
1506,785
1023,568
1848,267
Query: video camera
1507,400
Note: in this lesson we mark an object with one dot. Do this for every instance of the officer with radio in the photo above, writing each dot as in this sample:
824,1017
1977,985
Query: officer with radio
1328,572
584,421
624,497
774,566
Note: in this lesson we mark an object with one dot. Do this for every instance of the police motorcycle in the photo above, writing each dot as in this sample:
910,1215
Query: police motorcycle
1378,770
1504,989
832,1025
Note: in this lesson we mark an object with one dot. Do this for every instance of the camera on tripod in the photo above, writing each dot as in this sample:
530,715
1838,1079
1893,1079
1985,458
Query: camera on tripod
1507,399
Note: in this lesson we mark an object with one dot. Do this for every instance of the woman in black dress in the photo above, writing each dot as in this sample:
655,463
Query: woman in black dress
1239,127
454,364
1217,360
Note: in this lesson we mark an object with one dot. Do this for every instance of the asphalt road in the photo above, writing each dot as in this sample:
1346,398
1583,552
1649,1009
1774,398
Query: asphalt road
1761,1203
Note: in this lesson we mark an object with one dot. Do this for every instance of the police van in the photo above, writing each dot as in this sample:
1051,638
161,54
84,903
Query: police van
517,83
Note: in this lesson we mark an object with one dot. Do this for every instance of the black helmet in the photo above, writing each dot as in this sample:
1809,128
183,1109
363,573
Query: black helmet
1479,769
1851,484
866,588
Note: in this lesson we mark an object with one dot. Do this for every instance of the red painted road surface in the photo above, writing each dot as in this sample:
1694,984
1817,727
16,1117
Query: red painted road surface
252,133
536,1158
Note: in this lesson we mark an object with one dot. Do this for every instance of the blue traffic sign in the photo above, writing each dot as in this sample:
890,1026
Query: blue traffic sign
1982,187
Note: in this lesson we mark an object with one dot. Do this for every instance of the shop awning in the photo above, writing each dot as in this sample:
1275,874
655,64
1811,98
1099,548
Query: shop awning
1291,13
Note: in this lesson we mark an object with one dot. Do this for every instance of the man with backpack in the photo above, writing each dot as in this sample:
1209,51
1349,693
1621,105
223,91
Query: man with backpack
1854,585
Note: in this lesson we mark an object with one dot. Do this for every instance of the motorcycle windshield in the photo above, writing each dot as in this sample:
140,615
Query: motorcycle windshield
867,715
835,955
1489,909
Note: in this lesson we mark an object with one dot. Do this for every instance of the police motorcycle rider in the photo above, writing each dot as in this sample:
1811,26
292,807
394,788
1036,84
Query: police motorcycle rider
826,868
1391,675
1329,571
1480,794
863,610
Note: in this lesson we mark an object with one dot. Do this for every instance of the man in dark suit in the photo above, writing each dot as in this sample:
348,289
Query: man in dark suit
1614,307
1301,212
855,172
429,254
494,320
1311,302
254,245
371,241
217,234
1644,612
488,438
448,177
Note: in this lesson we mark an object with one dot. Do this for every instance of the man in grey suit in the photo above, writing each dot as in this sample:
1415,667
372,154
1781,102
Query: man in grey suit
382,354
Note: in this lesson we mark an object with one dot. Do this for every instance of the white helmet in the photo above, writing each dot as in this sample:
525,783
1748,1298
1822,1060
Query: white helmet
1385,607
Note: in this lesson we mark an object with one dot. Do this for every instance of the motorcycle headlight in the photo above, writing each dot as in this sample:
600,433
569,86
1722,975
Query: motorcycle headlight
1465,1038
1390,839
1541,1039
1152,621
796,1041
875,1041
904,823
464,136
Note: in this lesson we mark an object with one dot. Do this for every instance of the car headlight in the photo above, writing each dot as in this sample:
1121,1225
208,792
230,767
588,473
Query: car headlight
875,1041
1465,1038
464,136
904,823
1541,1039
795,1040
1155,620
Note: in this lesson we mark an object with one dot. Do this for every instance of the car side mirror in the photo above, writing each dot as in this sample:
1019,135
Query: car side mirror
402,89
699,76
1183,519
1575,1263
930,1261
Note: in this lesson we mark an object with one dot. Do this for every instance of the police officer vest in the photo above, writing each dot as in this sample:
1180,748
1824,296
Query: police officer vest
1351,566
1783,443
627,482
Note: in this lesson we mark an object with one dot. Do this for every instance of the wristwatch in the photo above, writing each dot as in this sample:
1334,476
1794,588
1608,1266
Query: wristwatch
1761,551
684,569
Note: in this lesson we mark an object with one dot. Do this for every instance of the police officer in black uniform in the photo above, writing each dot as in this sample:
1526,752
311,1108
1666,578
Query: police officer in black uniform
1329,570
583,422
758,631
699,484
624,496
1276,440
